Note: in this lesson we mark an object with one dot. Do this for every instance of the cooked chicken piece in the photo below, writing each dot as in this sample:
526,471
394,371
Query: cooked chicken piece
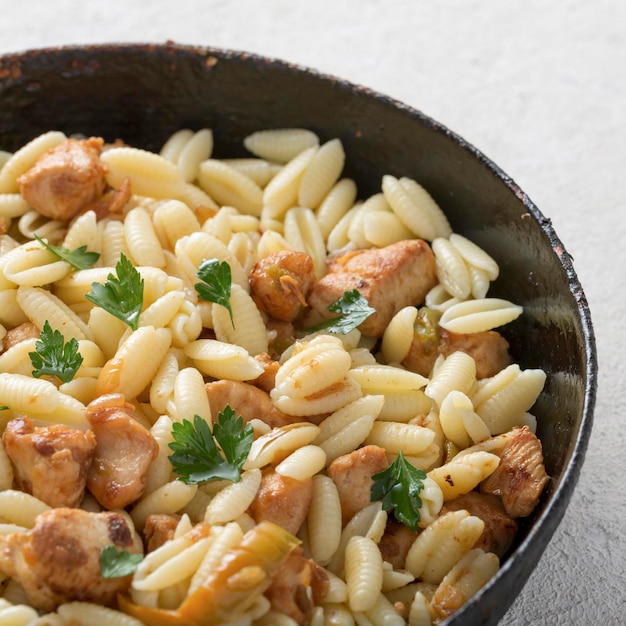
159,528
246,400
282,500
267,380
298,586
389,278
65,179
396,543
280,283
18,334
50,462
520,477
111,202
281,335
489,349
4,228
352,473
59,559
124,450
500,528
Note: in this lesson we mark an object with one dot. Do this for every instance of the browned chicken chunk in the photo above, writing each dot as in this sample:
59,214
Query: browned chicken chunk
124,451
111,202
352,473
50,462
59,559
298,586
18,334
389,278
520,477
500,527
489,349
159,528
246,400
282,500
65,179
396,542
267,380
280,283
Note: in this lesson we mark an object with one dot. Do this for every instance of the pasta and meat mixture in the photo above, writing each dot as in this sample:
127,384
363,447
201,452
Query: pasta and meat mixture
231,392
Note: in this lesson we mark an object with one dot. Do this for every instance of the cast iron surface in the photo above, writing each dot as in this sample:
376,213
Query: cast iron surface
143,93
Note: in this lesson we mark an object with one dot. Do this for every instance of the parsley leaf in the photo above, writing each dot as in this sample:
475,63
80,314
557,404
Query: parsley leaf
353,310
78,258
121,295
216,277
116,563
4,407
55,357
196,456
399,487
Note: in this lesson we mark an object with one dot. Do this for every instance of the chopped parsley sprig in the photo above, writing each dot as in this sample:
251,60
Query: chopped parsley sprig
121,295
399,487
352,309
54,356
216,283
79,258
116,563
196,456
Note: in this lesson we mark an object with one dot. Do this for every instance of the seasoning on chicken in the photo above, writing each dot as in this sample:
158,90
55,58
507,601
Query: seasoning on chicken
297,587
20,333
246,400
389,278
59,559
500,527
111,202
282,500
267,380
159,528
124,451
396,542
50,462
520,477
489,349
65,179
352,473
280,283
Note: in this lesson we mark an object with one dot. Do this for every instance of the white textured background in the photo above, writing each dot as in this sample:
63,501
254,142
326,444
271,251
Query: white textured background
539,87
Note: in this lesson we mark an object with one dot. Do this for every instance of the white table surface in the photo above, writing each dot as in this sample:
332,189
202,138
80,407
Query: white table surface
540,88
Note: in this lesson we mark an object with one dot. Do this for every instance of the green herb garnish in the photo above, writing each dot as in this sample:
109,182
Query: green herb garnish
116,563
54,356
216,277
78,258
121,295
353,309
4,408
399,487
196,454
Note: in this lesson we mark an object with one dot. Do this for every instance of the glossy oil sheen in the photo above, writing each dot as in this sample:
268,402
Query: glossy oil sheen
143,93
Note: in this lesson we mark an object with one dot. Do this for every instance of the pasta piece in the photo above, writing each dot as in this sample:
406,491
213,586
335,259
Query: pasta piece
260,171
197,149
22,160
302,233
161,312
279,443
460,424
113,243
398,335
302,463
190,397
281,193
442,544
175,143
12,205
364,573
321,174
475,256
6,469
348,438
463,473
141,239
232,501
230,187
452,270
150,174
169,499
335,205
383,228
383,612
17,615
11,314
324,519
135,363
475,316
337,421
338,237
20,508
280,145
87,614
379,378
15,360
83,231
457,373
395,436
428,206
32,265
223,360
439,299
